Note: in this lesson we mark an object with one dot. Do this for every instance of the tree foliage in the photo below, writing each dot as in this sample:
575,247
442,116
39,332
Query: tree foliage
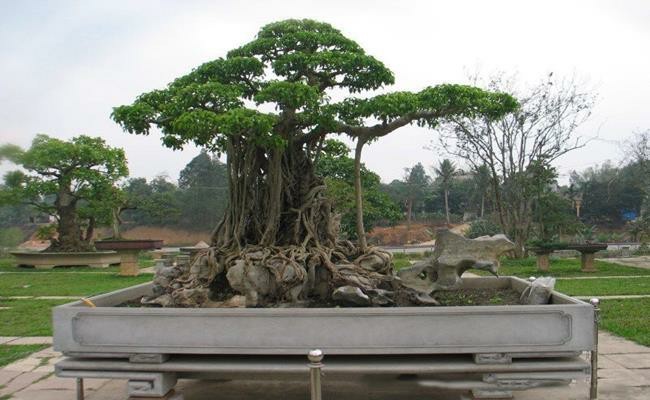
203,185
519,148
70,180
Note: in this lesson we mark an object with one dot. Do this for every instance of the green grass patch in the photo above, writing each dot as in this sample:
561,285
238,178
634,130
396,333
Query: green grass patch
604,286
9,265
400,263
629,318
565,267
11,353
54,284
408,256
27,317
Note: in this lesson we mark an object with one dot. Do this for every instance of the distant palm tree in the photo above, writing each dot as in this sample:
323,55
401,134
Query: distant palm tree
446,171
481,176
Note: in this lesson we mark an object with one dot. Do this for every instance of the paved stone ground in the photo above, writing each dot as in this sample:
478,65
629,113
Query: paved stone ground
638,262
624,374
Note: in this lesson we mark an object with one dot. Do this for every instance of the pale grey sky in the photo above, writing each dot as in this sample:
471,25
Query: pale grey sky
65,64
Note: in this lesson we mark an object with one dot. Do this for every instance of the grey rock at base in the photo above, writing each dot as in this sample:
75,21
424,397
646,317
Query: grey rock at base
381,297
453,255
165,300
350,295
190,297
252,280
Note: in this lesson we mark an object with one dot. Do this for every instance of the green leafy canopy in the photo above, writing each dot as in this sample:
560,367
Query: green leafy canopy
295,65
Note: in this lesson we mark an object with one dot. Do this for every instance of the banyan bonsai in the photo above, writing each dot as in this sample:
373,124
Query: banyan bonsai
269,105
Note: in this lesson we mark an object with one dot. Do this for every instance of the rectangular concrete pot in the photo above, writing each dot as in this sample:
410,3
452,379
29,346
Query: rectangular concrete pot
48,260
563,327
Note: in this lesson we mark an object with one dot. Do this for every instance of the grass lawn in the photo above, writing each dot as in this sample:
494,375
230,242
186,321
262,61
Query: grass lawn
27,317
566,267
400,263
57,284
604,286
9,354
629,318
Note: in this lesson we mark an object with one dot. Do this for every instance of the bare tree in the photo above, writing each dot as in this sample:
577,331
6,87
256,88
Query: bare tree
519,148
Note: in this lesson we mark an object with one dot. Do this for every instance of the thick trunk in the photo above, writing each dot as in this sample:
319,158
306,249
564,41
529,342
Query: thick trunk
358,197
90,231
520,246
275,200
69,233
115,223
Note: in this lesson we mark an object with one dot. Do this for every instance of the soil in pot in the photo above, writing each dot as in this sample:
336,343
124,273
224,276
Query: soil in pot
461,297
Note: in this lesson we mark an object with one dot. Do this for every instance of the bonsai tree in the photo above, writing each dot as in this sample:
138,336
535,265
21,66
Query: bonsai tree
269,105
70,180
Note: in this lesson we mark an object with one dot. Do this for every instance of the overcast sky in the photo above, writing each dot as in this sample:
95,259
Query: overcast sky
65,64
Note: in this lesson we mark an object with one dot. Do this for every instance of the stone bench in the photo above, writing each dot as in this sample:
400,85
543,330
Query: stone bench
587,255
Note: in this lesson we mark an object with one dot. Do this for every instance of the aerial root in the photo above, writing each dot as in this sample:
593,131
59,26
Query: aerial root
279,275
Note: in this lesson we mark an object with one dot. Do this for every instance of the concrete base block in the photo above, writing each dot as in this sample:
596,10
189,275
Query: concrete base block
493,358
148,358
491,394
172,395
153,385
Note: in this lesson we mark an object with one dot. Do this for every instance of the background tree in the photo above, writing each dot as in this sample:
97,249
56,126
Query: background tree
61,176
338,171
481,186
610,193
521,145
157,203
203,185
416,183
446,171
276,200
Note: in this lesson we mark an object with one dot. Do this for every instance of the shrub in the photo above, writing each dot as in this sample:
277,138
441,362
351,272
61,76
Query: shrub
482,227
46,232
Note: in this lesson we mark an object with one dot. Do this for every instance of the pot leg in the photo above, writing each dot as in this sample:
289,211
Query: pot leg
543,263
156,385
129,263
587,262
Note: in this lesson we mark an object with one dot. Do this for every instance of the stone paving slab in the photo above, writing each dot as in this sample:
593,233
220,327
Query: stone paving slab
610,344
632,361
6,376
29,340
7,339
20,382
638,262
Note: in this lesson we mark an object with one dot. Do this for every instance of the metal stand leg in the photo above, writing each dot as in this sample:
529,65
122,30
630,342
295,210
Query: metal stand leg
80,389
593,387
315,365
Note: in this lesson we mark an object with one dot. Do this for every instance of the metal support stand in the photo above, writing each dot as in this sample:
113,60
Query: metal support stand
593,387
80,389
315,357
